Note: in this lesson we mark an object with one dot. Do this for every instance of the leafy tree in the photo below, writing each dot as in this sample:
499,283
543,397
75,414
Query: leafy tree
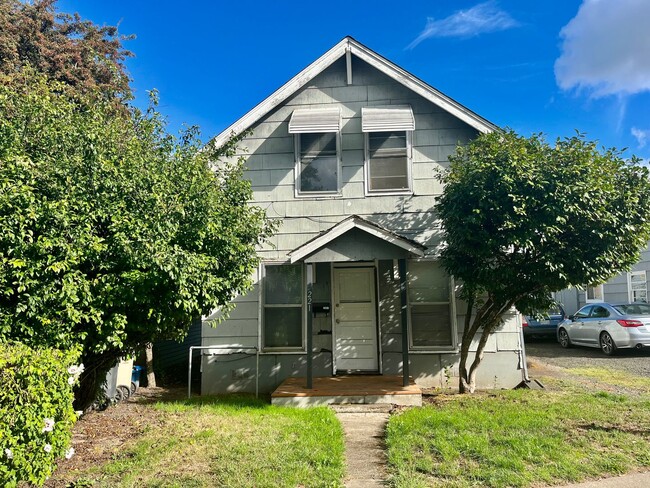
113,233
62,46
522,218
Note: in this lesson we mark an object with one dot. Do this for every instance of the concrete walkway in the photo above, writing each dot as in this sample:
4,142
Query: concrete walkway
636,480
364,427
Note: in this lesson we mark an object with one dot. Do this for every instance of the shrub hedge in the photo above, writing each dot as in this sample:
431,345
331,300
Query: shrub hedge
36,412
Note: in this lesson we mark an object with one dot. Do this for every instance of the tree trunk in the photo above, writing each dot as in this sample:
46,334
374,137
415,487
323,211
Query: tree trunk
487,318
151,376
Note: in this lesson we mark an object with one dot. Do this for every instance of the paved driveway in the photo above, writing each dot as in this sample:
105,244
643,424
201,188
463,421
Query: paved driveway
549,351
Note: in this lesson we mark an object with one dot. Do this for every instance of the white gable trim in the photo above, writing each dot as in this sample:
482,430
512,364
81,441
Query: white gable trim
348,224
348,44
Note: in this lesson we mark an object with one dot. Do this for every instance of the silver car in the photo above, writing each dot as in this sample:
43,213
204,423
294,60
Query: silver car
609,326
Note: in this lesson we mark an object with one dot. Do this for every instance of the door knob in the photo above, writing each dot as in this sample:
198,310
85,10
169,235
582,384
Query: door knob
338,321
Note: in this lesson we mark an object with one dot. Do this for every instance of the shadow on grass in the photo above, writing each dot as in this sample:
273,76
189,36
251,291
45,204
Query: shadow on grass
178,396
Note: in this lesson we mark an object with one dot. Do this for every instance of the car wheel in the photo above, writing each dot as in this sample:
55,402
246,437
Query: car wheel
563,338
607,344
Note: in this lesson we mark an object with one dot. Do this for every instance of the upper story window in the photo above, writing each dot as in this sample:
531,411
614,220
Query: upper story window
387,162
594,293
638,286
317,150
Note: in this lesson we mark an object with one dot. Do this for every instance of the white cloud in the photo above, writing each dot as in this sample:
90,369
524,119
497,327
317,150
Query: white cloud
480,19
606,48
642,136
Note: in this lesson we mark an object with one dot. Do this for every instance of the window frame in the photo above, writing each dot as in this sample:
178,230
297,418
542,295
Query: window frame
631,291
409,165
298,191
263,348
596,287
453,348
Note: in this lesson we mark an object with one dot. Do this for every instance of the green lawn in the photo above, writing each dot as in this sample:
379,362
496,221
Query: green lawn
230,442
519,438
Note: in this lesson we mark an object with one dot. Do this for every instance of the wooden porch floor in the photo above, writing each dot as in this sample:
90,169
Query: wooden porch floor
347,389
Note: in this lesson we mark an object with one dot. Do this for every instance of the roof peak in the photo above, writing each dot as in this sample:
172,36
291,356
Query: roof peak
349,44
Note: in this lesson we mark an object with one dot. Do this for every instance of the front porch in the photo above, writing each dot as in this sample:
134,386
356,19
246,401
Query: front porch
366,389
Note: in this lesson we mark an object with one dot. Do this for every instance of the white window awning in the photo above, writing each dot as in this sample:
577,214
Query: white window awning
387,118
315,120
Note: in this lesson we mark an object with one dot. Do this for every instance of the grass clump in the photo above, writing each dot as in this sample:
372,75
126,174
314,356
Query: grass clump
232,441
518,438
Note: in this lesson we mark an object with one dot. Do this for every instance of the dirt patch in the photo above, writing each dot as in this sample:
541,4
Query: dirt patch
557,372
98,436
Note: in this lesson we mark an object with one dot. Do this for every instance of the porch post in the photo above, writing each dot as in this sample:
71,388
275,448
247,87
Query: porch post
404,318
310,326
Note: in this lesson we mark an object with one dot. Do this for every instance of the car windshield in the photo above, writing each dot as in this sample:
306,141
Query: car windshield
633,309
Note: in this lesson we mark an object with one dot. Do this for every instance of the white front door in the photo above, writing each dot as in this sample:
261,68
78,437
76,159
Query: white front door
355,319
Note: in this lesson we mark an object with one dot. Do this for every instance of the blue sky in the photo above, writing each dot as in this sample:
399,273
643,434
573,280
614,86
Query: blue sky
552,67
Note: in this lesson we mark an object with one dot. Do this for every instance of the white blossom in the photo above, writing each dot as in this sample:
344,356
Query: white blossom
76,369
71,380
9,454
79,412
69,453
47,447
49,425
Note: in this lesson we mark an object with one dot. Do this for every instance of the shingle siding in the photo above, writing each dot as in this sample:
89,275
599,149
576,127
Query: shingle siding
270,168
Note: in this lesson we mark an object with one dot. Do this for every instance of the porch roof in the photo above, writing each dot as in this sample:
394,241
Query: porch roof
354,239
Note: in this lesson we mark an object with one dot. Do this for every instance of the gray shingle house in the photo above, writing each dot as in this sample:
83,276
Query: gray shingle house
624,287
345,155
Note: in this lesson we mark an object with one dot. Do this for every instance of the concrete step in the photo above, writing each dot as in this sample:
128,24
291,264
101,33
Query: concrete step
361,407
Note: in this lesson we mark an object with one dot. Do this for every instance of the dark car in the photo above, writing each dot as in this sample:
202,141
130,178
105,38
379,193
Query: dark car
543,324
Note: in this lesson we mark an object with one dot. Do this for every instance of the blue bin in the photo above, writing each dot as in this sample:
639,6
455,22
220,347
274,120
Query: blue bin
135,378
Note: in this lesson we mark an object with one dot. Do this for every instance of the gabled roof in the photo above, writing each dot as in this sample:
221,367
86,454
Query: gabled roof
355,222
379,62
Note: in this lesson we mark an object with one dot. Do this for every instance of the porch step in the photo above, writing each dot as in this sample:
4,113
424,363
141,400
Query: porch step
361,407
365,390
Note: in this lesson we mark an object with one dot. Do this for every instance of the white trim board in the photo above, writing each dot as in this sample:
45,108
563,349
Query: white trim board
348,44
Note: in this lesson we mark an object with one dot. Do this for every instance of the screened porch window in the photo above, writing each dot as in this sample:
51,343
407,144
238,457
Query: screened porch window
430,308
283,307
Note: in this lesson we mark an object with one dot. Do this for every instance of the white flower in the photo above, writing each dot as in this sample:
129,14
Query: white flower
71,380
9,454
76,370
49,425
79,412
69,453
47,448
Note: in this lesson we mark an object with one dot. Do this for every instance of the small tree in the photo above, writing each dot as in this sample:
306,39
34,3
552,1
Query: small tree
113,234
522,219
63,47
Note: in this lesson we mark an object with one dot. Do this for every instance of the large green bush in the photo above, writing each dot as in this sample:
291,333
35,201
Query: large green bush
36,413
